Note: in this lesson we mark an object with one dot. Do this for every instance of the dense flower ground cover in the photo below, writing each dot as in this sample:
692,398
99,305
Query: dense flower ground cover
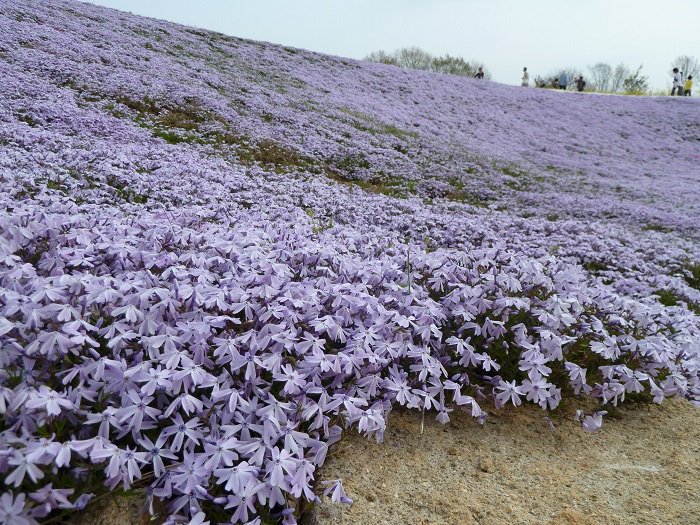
217,254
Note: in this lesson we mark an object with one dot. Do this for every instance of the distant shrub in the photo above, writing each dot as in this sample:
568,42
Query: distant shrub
636,83
417,58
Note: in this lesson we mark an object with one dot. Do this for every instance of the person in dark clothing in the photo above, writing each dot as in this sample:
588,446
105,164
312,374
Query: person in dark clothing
479,73
580,83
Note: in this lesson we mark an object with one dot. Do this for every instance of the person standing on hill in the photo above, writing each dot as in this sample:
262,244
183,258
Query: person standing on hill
526,78
688,88
677,82
580,84
479,73
563,81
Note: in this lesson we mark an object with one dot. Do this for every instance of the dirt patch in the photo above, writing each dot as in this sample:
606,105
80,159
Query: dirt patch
114,510
641,468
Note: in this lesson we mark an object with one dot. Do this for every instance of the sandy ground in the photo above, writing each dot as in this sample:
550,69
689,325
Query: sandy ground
642,467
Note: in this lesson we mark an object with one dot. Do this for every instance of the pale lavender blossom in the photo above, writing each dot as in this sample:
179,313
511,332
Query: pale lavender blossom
336,491
12,510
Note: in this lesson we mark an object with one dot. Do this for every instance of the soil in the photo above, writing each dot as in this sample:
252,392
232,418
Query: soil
642,467
113,510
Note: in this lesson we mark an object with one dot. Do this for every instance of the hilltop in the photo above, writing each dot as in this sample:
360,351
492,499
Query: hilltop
270,245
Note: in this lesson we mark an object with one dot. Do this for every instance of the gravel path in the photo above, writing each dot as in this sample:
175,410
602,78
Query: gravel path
642,468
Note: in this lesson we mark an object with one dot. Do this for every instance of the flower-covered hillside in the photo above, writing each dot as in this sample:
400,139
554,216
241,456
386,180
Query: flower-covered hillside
217,254
448,136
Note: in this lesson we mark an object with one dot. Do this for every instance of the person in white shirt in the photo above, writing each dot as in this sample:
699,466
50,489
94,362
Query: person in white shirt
677,82
526,78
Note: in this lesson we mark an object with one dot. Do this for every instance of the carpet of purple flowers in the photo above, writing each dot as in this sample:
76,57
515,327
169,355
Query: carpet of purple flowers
217,254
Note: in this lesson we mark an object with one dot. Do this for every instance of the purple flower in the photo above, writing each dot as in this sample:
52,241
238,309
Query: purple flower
399,387
335,491
55,498
23,466
190,474
244,501
155,453
509,392
593,422
134,413
12,510
184,432
280,463
49,400
221,452
237,476
536,388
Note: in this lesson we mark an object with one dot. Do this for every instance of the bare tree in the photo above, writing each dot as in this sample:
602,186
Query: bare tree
382,57
688,65
414,58
601,76
619,75
449,65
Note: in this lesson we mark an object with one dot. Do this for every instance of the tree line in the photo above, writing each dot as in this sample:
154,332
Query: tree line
417,58
601,77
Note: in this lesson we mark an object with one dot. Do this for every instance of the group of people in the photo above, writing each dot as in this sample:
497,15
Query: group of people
680,88
562,81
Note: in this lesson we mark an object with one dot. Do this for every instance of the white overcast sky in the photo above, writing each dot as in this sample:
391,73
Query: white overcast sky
504,34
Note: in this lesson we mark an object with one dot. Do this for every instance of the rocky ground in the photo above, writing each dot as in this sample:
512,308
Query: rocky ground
642,467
